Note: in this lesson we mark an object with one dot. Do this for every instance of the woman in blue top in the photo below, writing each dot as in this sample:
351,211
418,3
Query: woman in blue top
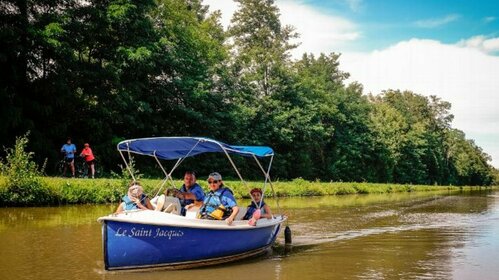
135,199
256,194
219,202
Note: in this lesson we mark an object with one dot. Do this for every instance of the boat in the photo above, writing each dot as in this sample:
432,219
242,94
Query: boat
145,239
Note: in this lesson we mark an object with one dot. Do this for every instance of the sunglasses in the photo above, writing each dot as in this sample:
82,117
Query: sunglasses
213,182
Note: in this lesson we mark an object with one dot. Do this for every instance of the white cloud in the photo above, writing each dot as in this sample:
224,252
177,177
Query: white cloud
227,7
436,22
461,75
354,5
489,19
318,31
482,43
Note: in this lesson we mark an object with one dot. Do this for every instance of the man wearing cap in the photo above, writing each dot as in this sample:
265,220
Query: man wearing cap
219,203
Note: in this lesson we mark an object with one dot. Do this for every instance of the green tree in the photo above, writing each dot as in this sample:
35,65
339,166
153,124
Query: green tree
33,94
260,46
415,139
105,70
469,163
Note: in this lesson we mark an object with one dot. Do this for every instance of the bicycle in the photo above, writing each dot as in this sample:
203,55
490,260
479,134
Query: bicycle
59,167
81,168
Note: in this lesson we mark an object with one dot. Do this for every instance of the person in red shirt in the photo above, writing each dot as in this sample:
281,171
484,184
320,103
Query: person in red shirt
87,154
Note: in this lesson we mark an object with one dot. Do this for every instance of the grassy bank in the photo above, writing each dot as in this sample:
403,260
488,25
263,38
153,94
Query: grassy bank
80,191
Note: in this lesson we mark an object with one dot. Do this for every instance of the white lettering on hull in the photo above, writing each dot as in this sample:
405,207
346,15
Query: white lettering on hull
154,233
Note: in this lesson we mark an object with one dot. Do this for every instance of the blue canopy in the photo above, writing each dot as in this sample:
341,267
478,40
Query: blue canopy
178,147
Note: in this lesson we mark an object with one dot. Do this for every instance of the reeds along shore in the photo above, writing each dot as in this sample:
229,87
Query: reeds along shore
60,191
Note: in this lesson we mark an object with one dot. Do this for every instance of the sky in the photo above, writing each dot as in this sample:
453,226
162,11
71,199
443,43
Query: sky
447,48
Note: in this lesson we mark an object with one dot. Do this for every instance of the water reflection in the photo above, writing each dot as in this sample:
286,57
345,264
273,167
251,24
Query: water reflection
396,236
40,217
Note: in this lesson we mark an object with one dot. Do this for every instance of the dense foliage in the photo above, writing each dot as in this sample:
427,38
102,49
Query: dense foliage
105,70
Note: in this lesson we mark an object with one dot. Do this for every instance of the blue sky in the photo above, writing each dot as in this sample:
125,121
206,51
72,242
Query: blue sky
383,23
445,48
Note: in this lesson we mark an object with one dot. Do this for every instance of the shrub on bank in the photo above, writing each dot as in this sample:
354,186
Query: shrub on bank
22,177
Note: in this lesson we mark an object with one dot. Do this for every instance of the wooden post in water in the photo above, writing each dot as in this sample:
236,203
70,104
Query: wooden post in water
287,235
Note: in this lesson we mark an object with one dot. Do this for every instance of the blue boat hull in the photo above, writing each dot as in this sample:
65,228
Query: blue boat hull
132,245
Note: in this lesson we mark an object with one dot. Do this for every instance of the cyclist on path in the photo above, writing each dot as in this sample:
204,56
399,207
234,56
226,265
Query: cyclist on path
88,155
69,151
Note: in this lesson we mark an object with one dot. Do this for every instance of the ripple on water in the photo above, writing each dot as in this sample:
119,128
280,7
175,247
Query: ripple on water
382,214
313,233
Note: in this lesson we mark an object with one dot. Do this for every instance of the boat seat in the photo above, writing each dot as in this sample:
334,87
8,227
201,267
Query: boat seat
241,213
192,213
167,204
154,201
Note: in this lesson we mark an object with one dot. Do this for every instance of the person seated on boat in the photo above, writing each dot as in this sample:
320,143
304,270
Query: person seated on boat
135,199
265,212
219,202
191,195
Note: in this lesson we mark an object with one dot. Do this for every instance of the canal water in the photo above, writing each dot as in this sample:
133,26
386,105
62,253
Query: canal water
391,236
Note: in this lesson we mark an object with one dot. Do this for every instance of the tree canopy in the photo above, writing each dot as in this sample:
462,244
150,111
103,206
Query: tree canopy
104,70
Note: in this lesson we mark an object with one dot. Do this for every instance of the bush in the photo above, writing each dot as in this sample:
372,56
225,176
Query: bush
23,184
126,173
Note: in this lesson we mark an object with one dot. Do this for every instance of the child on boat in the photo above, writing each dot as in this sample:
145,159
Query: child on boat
253,211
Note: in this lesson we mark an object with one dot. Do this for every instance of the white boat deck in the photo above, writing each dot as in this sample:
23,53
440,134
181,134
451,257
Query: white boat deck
157,218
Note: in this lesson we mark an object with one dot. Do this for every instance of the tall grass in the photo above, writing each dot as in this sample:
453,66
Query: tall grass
81,191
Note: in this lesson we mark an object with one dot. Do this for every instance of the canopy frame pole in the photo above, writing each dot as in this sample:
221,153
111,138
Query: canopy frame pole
267,177
237,171
177,164
265,181
125,161
175,167
180,160
168,175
